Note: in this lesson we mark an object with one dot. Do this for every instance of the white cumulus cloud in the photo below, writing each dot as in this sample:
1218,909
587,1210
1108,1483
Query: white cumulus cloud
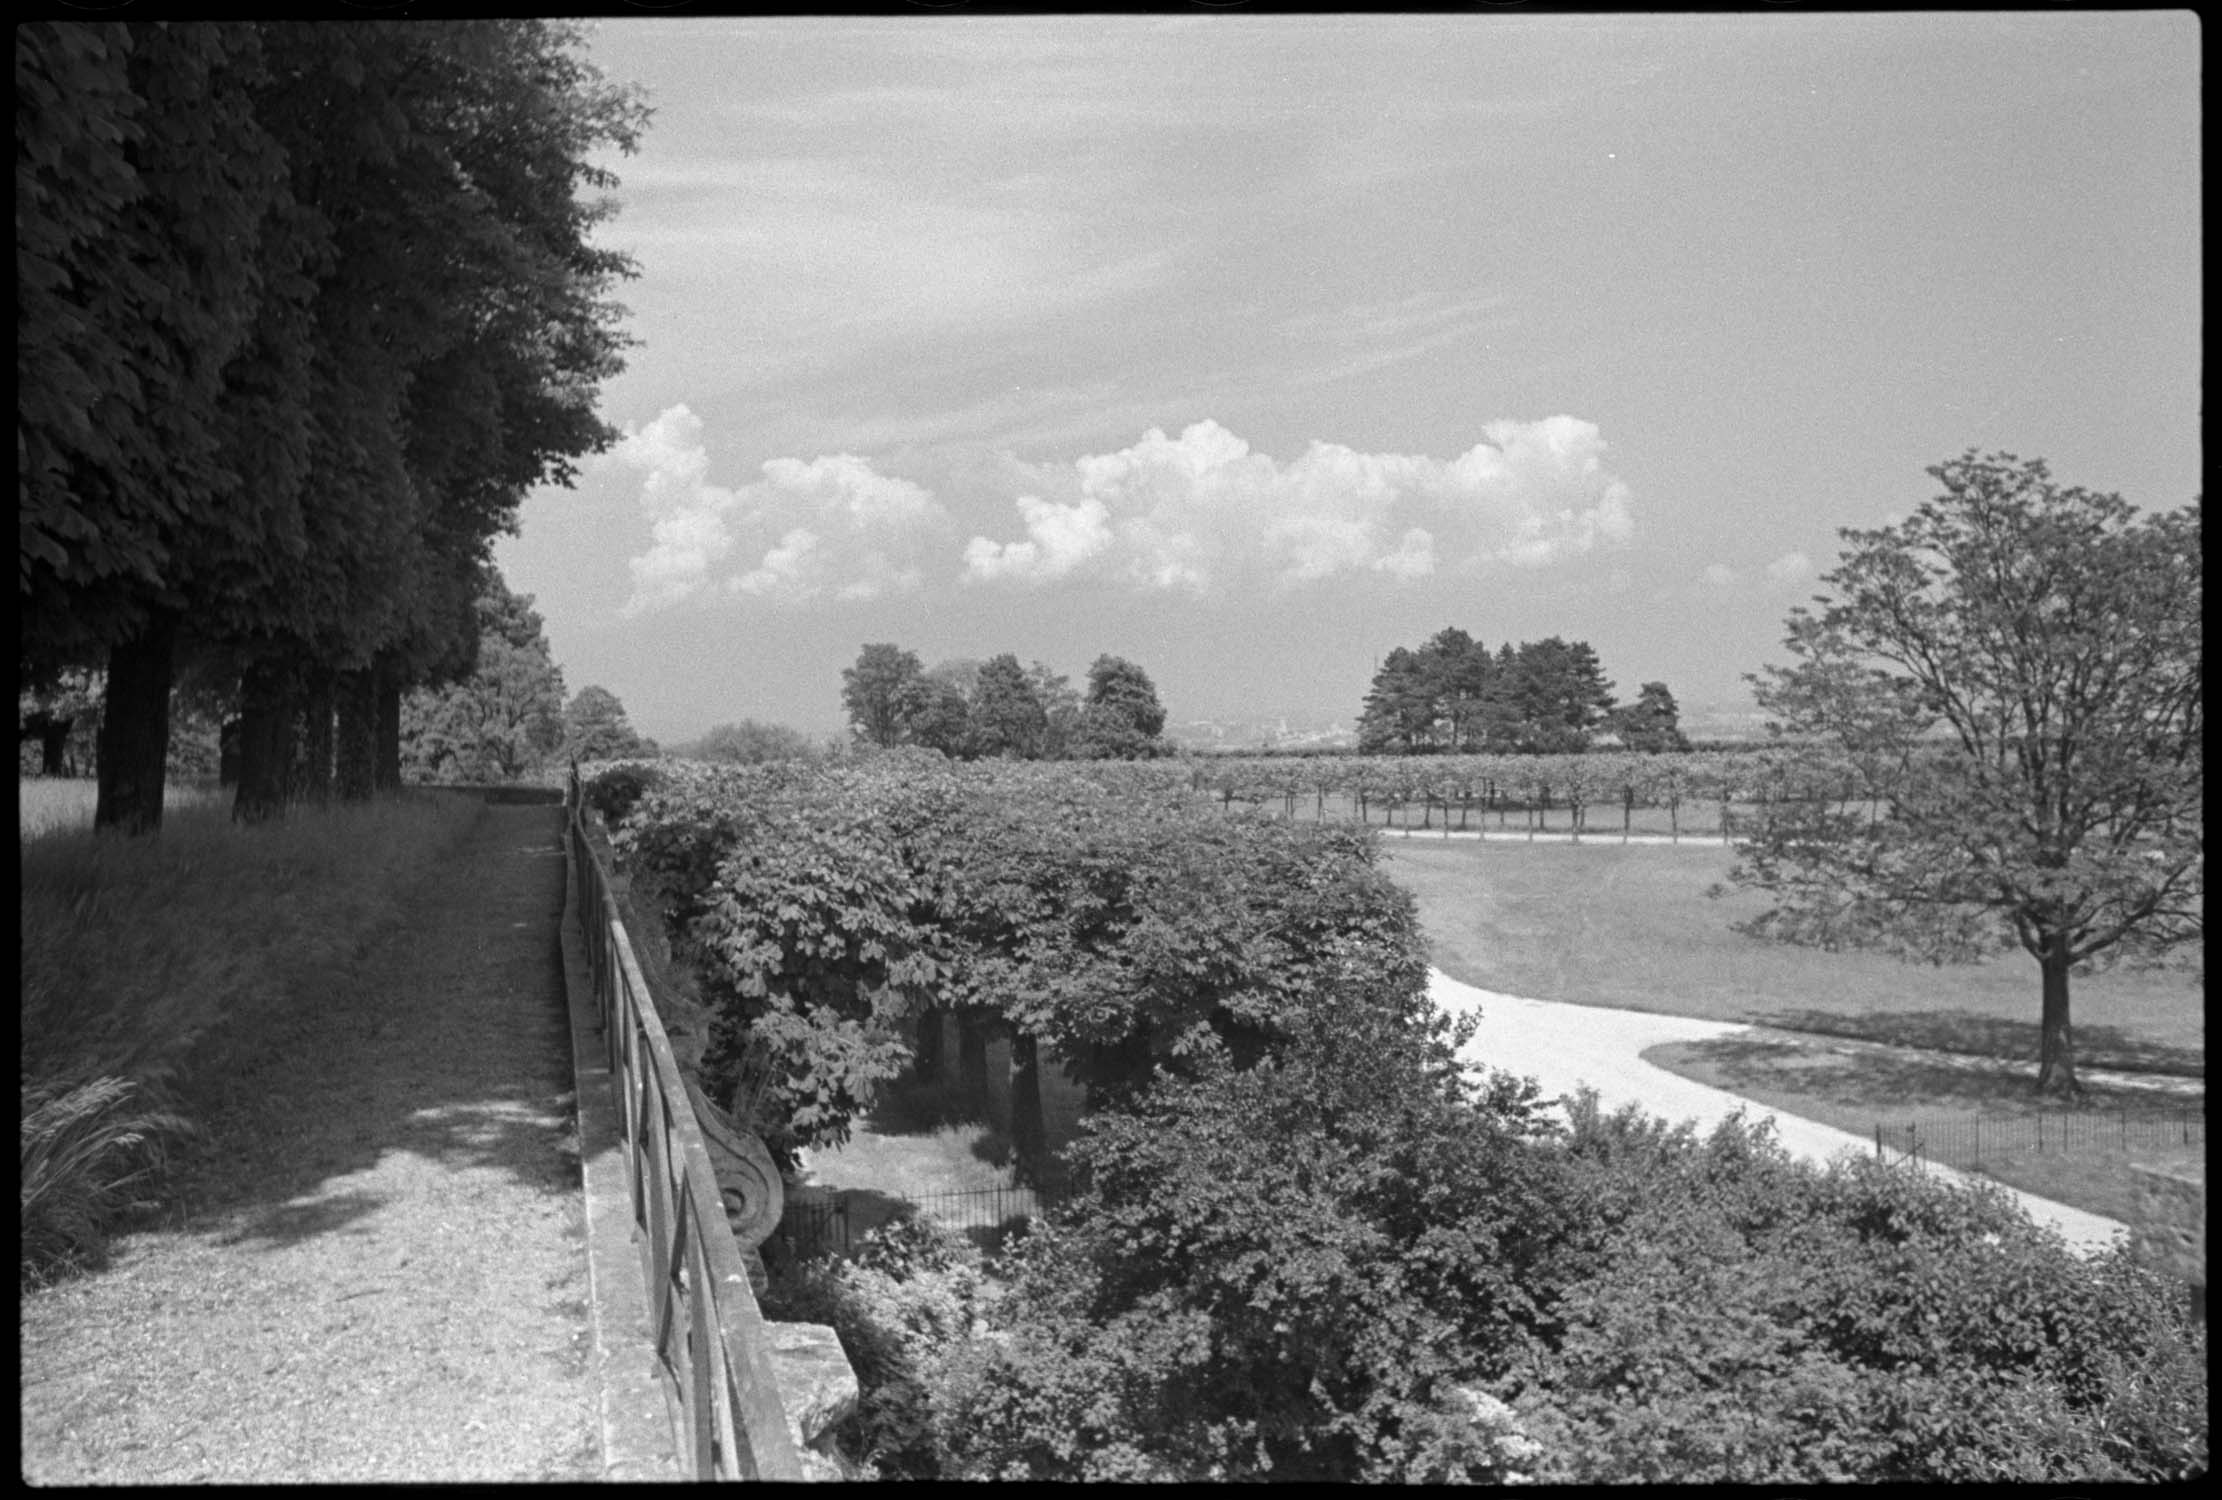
1201,509
1059,538
1791,567
829,526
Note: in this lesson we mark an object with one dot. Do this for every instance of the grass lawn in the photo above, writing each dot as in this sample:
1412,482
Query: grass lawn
49,803
1853,1085
1632,927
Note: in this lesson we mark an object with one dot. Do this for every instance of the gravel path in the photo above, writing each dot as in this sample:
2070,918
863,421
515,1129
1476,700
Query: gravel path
378,1274
1564,1046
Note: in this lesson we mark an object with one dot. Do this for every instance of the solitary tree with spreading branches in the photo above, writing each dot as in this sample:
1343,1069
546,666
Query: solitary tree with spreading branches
2015,672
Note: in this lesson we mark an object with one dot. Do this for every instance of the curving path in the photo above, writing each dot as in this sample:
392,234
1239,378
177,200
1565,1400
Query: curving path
1564,1046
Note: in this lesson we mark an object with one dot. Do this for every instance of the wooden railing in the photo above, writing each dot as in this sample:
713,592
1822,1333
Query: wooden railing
709,1335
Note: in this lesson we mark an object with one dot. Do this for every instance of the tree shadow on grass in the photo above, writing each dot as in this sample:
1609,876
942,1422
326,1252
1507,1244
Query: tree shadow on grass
1871,1078
1959,1031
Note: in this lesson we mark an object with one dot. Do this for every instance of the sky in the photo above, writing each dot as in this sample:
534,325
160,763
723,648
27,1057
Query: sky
1251,347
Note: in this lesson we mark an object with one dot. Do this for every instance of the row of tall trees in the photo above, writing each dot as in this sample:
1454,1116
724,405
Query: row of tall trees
1452,695
998,709
303,312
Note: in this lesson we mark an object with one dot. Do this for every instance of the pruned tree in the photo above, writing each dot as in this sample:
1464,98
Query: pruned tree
2016,671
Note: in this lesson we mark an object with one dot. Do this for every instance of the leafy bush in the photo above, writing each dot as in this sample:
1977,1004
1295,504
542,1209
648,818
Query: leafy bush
613,790
1305,1269
1729,1314
913,1293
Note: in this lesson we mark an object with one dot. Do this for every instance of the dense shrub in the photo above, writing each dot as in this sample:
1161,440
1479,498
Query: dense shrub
1305,1269
1733,1315
914,1292
613,789
1108,914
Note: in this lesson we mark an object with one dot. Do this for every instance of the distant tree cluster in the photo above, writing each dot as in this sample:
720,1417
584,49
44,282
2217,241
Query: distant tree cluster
750,743
998,709
303,312
1454,696
508,719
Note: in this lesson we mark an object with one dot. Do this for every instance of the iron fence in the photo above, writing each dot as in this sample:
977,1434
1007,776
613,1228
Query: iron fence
819,1222
1963,1141
716,1359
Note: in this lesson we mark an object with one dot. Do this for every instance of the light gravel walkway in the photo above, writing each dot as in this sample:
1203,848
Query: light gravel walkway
1564,1046
381,1276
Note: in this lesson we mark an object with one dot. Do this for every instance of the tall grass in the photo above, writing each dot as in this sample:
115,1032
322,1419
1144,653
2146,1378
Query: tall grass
48,804
150,965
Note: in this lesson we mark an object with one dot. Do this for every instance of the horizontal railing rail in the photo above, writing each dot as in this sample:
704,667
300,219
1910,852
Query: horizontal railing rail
728,1416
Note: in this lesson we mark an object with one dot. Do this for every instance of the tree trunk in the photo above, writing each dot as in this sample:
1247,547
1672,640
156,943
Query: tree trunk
135,729
265,742
313,780
386,773
1029,1140
2056,1048
972,1059
227,753
355,748
53,742
927,1063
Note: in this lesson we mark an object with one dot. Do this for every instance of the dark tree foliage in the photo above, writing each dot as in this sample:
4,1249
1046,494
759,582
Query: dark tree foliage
1452,695
306,310
1008,718
1653,722
1120,716
873,692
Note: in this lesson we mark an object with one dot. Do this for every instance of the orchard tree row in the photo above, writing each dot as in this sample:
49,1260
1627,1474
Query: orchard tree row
1452,695
1769,775
997,709
303,312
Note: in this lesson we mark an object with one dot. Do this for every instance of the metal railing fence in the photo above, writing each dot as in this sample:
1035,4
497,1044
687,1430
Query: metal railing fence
1962,1141
833,1222
709,1333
